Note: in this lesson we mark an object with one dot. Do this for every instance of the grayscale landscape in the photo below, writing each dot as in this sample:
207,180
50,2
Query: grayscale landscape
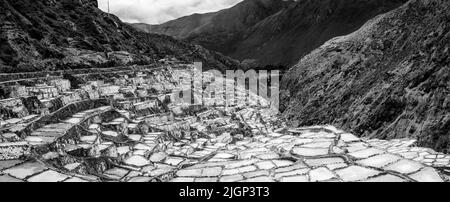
259,91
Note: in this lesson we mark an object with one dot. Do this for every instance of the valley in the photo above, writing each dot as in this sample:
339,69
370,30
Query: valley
363,94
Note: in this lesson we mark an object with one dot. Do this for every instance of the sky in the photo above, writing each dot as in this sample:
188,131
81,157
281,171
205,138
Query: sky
160,11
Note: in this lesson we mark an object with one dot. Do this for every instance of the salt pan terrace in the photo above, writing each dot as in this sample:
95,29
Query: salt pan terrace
174,142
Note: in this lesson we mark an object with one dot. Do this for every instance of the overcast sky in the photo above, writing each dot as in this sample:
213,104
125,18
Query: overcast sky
160,11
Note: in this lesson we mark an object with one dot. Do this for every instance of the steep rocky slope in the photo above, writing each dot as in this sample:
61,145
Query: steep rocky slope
389,79
62,34
275,32
284,38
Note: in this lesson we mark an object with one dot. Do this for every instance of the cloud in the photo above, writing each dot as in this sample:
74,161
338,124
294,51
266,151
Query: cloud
160,11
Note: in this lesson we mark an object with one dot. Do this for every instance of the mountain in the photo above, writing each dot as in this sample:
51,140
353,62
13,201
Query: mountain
219,31
180,28
69,34
274,32
389,79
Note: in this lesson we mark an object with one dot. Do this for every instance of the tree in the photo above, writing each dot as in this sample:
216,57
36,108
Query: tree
74,82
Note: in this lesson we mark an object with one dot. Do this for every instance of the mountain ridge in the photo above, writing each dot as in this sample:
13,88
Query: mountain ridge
71,34
283,35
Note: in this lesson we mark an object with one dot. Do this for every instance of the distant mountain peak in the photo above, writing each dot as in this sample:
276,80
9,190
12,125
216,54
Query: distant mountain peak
273,32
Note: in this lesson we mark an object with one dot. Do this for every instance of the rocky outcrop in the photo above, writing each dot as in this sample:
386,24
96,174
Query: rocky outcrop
274,32
73,34
390,79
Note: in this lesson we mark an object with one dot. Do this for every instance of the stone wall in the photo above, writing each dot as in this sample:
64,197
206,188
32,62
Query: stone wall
158,118
12,108
109,90
15,150
62,114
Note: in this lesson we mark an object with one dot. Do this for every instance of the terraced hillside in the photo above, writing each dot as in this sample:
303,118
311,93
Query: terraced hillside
152,139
